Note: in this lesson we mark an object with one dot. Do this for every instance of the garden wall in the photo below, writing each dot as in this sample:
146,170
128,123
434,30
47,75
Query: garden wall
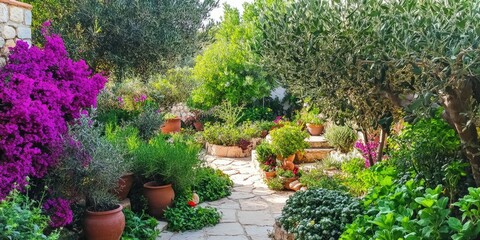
15,24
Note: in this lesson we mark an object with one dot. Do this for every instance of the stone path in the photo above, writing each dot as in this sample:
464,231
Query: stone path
248,214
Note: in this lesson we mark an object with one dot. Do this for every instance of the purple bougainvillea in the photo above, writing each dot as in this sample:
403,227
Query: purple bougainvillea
41,90
59,211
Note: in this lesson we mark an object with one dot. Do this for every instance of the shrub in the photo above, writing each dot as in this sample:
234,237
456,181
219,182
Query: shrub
317,178
183,217
409,211
166,162
21,218
275,184
211,184
319,214
425,147
341,137
90,166
173,87
41,90
228,135
139,226
265,154
148,123
288,140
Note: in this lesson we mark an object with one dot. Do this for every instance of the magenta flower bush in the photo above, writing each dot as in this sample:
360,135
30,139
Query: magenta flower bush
368,149
41,90
59,211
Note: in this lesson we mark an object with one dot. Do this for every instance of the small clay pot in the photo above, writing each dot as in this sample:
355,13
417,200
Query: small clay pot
290,158
198,126
172,126
315,129
270,175
159,197
123,186
288,165
105,225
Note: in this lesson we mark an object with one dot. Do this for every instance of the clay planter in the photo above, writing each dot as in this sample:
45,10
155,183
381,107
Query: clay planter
172,126
287,181
123,186
227,151
198,126
288,165
106,225
158,198
314,129
290,158
270,175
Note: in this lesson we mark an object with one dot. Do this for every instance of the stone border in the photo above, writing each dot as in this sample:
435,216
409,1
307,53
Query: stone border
17,4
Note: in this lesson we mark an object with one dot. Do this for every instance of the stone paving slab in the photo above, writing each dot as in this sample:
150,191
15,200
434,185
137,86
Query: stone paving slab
247,214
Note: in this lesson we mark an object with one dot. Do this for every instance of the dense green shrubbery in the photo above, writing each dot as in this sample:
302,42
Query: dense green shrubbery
317,178
211,184
425,147
228,135
319,214
183,217
409,211
288,140
21,218
139,227
341,137
148,123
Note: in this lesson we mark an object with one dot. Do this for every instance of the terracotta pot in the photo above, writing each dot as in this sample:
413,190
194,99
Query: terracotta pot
287,181
106,225
270,175
299,156
172,125
198,126
290,158
315,129
123,186
263,134
158,198
288,165
228,151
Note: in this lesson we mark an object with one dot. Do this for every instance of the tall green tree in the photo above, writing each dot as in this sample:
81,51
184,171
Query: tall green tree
372,58
228,69
128,36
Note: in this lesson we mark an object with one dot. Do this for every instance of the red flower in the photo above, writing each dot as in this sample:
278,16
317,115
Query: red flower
191,204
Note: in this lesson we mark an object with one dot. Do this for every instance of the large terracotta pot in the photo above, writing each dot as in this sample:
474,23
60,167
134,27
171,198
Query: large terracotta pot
158,198
314,129
172,125
106,225
123,186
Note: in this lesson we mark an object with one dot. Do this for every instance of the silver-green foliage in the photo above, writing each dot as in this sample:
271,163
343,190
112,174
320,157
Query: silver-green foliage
341,137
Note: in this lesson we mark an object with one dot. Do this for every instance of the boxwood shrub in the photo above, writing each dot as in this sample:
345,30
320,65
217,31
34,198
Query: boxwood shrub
319,213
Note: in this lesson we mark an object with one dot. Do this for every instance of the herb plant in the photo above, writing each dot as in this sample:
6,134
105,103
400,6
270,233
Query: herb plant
319,213
288,140
139,226
341,137
183,217
211,184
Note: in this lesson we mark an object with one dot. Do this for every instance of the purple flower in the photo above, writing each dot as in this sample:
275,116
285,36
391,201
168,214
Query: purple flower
367,150
143,97
278,119
120,100
41,91
59,211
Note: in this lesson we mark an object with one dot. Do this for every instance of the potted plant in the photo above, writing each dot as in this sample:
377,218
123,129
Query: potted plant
194,120
168,167
314,123
269,171
90,166
288,176
172,123
288,140
265,127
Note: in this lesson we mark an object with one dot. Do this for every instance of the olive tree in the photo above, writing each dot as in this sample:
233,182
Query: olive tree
376,57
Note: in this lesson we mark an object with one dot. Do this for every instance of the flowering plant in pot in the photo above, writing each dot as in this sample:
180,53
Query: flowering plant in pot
168,167
288,140
314,123
89,169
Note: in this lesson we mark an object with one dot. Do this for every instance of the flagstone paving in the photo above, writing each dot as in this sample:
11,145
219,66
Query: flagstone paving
248,214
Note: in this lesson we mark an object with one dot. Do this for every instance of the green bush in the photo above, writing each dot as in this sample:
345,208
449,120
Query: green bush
21,218
139,227
319,214
265,152
409,211
288,140
211,184
148,123
167,162
341,137
425,147
228,135
182,217
317,178
172,87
